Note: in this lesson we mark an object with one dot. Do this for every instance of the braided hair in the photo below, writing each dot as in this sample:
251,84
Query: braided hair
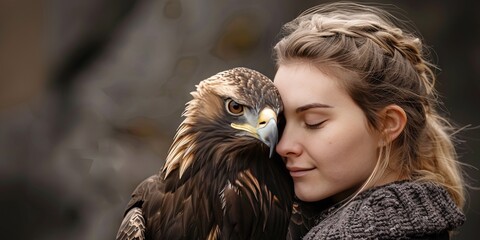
387,64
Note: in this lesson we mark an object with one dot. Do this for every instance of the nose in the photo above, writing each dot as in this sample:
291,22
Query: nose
289,144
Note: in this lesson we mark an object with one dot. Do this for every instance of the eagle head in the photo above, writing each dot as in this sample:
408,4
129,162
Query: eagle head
231,111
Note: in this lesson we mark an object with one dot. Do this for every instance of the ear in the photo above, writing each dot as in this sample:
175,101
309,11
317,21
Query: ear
394,119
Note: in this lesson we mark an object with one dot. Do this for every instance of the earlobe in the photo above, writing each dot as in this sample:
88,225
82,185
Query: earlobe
394,120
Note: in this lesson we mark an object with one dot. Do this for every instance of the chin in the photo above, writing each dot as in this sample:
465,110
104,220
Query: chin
306,195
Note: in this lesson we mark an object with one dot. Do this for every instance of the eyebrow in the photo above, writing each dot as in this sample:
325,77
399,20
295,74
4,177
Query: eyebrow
311,105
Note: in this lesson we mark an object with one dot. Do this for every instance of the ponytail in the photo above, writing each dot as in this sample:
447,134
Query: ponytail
437,158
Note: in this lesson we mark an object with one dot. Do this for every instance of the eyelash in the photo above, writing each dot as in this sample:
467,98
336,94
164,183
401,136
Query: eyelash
314,126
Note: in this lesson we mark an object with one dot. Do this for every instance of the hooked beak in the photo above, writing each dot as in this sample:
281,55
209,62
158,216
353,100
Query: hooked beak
266,129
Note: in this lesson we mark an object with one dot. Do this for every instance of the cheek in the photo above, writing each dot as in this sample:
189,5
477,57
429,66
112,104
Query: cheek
342,149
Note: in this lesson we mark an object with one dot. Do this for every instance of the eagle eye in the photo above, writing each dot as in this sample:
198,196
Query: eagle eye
233,107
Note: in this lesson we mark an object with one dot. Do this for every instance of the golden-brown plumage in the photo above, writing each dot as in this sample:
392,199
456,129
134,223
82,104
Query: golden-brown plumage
222,178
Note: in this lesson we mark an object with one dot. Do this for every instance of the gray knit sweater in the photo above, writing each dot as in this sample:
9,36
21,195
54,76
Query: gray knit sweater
399,210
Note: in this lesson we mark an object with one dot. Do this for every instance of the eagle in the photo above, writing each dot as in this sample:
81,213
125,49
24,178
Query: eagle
222,178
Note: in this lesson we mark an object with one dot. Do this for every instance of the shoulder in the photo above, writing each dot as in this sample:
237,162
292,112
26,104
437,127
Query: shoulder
398,210
420,197
409,208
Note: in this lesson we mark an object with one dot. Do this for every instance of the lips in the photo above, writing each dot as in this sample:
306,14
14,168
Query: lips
296,172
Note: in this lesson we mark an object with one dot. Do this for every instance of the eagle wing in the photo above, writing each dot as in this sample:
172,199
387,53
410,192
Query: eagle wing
133,226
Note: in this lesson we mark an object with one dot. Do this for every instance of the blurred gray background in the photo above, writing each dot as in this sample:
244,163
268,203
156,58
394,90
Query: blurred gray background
91,94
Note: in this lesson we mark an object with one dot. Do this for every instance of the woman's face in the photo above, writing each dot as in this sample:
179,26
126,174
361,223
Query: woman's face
326,143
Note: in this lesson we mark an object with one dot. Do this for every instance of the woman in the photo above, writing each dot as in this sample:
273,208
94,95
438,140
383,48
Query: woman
370,156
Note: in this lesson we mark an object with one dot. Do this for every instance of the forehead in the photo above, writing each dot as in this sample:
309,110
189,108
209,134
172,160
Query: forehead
302,83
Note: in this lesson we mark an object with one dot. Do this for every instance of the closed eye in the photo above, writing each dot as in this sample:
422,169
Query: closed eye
315,126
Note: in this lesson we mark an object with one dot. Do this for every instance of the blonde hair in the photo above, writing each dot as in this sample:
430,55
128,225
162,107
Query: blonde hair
390,67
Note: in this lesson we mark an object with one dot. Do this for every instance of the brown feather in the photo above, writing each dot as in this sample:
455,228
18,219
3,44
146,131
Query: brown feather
133,226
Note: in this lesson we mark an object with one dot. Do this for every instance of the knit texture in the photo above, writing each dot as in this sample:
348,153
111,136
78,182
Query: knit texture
399,210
